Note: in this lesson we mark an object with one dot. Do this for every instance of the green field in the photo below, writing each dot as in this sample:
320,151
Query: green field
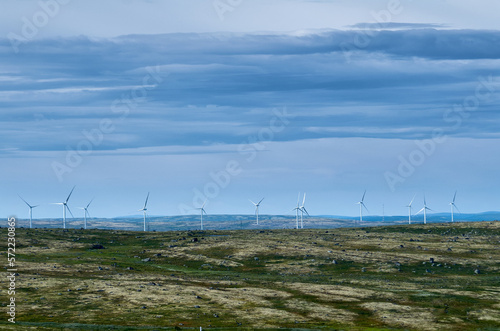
378,278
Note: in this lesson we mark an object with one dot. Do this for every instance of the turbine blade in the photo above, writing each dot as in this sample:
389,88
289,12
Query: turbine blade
204,203
298,198
146,203
70,194
457,208
412,200
304,200
24,201
455,196
252,202
305,211
90,202
365,207
69,211
363,198
421,210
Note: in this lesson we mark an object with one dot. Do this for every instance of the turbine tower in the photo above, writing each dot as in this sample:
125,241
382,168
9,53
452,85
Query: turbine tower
425,209
31,210
257,209
65,206
302,211
361,206
85,213
202,210
144,210
297,209
453,206
409,209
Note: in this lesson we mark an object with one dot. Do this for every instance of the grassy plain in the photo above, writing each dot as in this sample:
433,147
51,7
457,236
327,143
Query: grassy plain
411,277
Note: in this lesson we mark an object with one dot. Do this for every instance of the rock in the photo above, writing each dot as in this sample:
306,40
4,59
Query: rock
363,269
146,259
256,258
97,246
334,262
477,271
431,260
100,268
197,307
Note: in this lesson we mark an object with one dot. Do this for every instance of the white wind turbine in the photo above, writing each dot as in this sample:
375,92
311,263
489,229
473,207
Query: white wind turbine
257,209
31,210
85,213
361,206
409,209
453,206
302,211
144,210
65,206
425,209
297,209
202,210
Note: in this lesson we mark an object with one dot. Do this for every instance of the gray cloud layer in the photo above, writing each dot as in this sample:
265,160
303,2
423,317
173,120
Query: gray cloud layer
219,88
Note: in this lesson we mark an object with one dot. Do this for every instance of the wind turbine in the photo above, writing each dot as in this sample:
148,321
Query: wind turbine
409,209
144,210
302,211
361,206
425,209
86,212
453,206
257,209
202,210
31,210
297,209
65,206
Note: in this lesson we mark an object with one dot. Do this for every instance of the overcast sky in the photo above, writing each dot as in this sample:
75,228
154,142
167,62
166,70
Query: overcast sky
237,100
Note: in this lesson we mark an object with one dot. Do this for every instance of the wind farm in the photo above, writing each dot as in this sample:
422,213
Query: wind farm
234,221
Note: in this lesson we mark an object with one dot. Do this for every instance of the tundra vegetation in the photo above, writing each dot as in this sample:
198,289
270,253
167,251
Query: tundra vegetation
402,277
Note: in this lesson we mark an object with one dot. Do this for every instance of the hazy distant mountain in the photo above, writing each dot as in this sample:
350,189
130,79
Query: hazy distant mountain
235,222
